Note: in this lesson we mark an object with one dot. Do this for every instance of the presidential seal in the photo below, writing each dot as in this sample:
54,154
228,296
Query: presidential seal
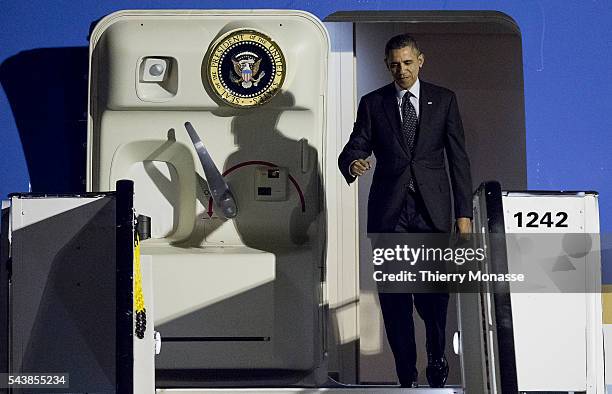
245,68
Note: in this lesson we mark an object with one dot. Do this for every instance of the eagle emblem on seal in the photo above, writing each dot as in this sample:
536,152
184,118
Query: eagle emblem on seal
246,67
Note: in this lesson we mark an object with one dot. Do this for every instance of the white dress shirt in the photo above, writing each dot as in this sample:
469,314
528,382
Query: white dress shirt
415,89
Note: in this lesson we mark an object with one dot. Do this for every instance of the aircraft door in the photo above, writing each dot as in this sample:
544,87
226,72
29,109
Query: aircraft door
219,119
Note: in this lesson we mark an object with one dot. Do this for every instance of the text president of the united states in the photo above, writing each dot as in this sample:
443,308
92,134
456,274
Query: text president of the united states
409,125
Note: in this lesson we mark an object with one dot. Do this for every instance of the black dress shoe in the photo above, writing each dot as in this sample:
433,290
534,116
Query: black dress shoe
437,371
410,383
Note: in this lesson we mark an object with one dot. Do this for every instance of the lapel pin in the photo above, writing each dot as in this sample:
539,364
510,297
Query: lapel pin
429,103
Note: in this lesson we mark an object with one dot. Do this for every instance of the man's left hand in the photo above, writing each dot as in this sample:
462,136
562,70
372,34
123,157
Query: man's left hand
464,225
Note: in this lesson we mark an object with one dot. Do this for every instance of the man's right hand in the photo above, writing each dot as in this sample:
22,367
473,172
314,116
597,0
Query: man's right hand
359,167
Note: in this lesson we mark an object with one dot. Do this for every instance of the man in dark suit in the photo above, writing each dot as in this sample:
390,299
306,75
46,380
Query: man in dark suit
409,125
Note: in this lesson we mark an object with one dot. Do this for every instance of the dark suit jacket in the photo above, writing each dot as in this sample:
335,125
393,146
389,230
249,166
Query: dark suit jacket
378,129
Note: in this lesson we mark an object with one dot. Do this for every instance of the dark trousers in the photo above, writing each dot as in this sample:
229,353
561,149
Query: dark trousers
397,307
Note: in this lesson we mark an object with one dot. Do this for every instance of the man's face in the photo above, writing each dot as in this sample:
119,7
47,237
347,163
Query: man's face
404,65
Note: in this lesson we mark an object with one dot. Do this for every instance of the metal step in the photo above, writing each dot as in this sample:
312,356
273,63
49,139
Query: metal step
349,389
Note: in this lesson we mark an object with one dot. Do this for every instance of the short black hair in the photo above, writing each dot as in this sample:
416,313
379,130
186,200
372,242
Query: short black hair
401,41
